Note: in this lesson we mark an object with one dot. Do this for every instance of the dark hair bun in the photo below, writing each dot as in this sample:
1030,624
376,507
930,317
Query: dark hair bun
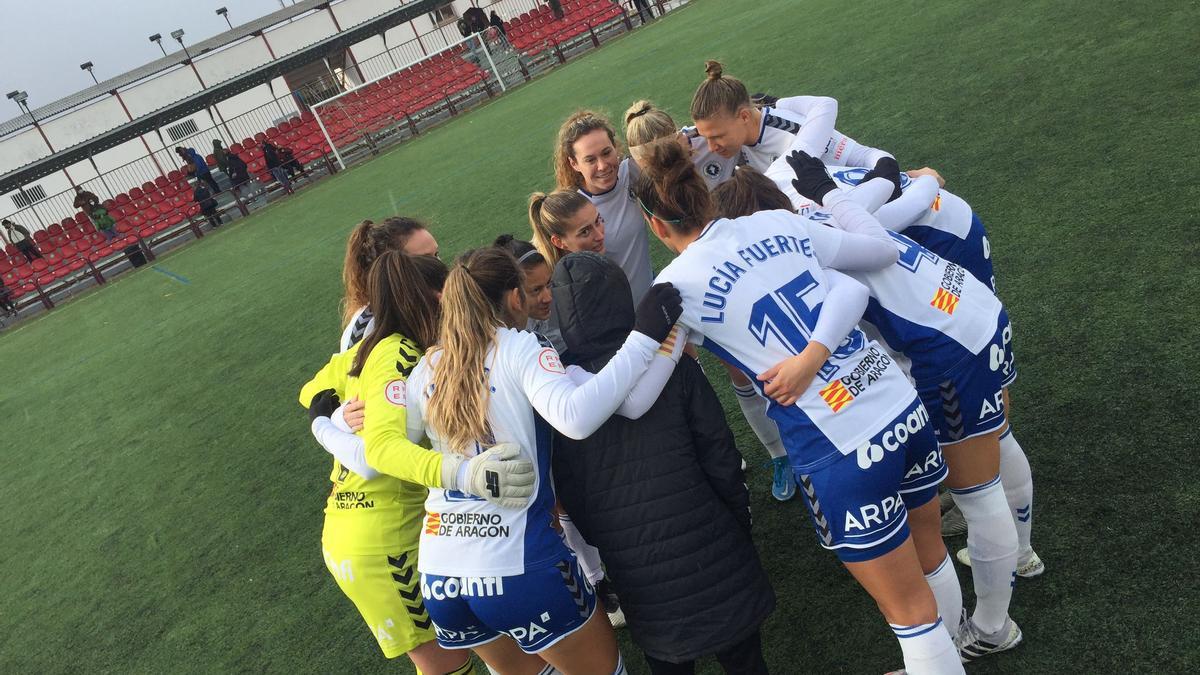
713,69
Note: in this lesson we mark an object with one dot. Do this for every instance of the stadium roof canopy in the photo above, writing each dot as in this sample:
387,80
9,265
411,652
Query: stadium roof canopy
204,98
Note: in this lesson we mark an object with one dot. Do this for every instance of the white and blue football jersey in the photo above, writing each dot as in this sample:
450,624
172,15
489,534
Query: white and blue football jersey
950,228
777,132
929,309
752,292
464,535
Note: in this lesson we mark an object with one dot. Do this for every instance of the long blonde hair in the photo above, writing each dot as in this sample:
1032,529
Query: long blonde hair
369,240
472,309
548,216
646,122
718,94
578,125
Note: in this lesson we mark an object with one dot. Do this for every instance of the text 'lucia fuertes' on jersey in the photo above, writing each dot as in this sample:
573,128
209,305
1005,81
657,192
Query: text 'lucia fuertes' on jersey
728,272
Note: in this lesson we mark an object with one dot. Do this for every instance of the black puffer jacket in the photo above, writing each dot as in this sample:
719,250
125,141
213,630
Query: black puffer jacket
662,497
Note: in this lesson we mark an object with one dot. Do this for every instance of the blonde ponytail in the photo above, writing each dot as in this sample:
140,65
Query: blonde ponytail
472,309
646,122
548,216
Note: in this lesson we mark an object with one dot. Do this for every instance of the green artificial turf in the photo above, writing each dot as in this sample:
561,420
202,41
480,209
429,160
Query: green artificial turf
163,506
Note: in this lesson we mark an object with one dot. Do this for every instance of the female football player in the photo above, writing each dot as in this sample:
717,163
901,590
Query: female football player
733,126
952,330
587,158
535,274
372,520
367,242
644,124
489,570
945,224
757,291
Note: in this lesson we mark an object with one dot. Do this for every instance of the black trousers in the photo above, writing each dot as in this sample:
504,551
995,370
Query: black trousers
212,182
743,658
29,251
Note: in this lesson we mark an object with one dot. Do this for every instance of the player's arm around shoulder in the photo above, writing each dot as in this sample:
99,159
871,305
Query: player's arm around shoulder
332,376
384,390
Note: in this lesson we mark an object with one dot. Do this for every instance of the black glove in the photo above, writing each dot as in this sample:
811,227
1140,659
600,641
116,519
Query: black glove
323,404
657,312
812,180
764,100
887,168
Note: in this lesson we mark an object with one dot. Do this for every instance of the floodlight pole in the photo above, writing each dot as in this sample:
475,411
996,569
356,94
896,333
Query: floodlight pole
157,39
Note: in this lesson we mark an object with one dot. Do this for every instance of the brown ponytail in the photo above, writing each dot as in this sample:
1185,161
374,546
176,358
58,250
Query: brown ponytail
671,189
749,191
368,240
472,310
578,125
718,95
403,303
548,216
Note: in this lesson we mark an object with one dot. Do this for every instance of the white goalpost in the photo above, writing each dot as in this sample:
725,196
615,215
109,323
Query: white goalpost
396,105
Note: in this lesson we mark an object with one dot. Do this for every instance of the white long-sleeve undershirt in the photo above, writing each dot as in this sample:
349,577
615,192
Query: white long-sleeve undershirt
648,387
909,207
346,447
577,411
841,310
858,243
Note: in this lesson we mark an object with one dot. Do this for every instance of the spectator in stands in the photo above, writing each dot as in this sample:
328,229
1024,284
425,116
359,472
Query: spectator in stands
275,165
221,155
643,10
6,301
208,203
239,173
290,163
199,166
85,201
104,223
498,23
556,7
19,237
463,28
477,20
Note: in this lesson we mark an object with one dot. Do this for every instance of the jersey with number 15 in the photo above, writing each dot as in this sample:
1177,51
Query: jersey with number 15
752,290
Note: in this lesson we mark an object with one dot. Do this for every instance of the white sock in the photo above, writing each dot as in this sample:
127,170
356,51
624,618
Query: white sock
620,666
944,583
588,555
754,409
1018,490
928,649
992,545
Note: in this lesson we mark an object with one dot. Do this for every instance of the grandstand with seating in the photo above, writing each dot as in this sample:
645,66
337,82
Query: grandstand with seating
360,117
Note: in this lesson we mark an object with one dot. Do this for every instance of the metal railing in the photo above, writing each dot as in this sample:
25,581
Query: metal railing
162,159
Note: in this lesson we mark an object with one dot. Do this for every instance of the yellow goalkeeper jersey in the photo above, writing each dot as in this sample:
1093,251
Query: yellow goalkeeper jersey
376,515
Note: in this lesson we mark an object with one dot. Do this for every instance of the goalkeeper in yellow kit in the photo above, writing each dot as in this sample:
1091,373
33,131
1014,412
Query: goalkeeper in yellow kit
373,514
